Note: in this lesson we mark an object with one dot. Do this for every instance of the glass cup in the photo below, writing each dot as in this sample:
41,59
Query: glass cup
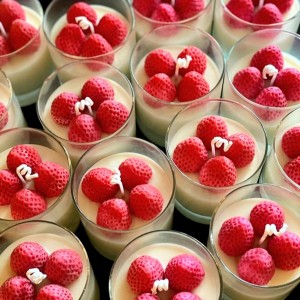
61,209
228,29
154,115
239,203
240,57
55,19
110,154
51,237
193,199
28,66
71,78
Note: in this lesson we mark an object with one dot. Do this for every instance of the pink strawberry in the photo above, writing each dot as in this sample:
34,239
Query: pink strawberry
290,142
236,236
190,154
52,179
188,8
5,49
210,127
266,212
165,12
242,9
81,9
112,28
10,10
268,14
27,203
283,6
97,186
28,255
111,116
256,266
134,171
114,214
145,8
292,169
9,185
63,108
3,115
248,82
63,266
285,250
146,296
192,86
54,292
185,296
159,61
143,272
17,288
184,272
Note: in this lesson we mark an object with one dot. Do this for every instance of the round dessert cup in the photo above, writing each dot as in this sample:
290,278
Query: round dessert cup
236,204
164,245
27,69
273,170
193,199
110,242
55,19
60,210
154,115
227,35
78,72
52,237
202,20
239,58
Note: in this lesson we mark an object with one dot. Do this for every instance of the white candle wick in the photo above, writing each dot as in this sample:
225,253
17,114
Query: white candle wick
182,63
270,229
35,275
160,285
2,30
82,104
25,171
217,142
84,23
116,179
270,70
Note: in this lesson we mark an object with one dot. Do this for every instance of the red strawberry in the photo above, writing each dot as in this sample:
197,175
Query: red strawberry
165,12
184,272
242,150
143,272
114,214
236,236
28,255
145,8
290,142
256,266
26,204
192,86
292,170
198,62
100,178
266,212
159,61
81,9
70,39
17,288
10,10
54,292
283,6
9,185
63,266
4,50
3,115
111,115
242,9
63,108
188,8
210,127
84,129
248,82
268,14
112,28
134,171
146,296
285,250
23,154
185,296
189,155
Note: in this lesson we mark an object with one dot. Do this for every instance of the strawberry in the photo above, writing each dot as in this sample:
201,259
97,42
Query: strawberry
188,8
184,272
54,292
146,296
81,9
242,150
4,50
210,127
268,14
134,171
192,86
17,288
189,155
292,169
63,266
165,12
249,82
145,8
27,203
111,116
185,296
3,115
114,214
198,62
112,28
266,212
96,185
159,61
63,108
10,10
143,272
9,185
285,250
290,142
256,266
236,236
242,9
283,6
52,180
28,255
